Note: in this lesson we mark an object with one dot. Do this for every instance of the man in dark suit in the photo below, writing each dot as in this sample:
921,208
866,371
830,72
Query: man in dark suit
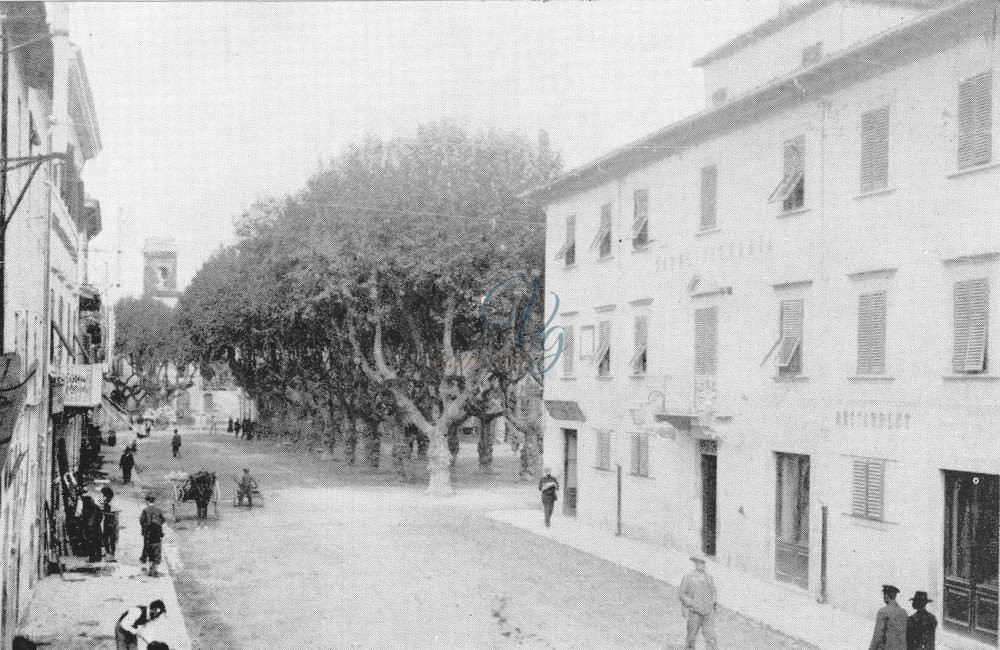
548,486
920,628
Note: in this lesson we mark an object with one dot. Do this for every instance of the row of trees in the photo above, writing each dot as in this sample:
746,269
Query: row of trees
389,296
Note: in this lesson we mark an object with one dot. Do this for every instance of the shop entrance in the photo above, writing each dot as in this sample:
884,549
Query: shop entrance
791,562
569,472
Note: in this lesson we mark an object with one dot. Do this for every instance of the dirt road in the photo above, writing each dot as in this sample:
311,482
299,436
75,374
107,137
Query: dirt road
347,558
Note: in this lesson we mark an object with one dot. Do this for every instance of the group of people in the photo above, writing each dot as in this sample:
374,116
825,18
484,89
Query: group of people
894,630
244,427
137,628
98,532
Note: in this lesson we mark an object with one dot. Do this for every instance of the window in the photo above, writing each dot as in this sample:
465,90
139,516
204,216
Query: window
709,186
869,487
640,221
971,302
586,342
791,191
975,120
604,349
706,323
811,55
871,334
603,455
638,361
640,454
602,242
790,347
568,250
875,150
568,351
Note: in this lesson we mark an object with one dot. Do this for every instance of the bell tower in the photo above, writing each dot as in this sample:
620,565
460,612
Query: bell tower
160,270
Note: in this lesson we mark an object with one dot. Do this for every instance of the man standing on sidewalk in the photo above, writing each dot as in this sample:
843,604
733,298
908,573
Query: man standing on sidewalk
890,625
548,485
698,598
126,463
175,442
920,628
151,522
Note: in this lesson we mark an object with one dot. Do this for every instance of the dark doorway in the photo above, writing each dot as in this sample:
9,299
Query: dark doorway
708,499
971,553
791,561
569,472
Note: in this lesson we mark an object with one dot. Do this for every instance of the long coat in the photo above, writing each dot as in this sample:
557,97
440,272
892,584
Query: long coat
890,628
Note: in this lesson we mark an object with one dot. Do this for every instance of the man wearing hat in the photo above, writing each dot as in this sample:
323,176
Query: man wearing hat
548,486
890,624
698,598
921,625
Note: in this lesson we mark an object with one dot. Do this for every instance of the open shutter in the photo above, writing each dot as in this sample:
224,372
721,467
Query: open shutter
638,360
875,484
961,326
603,356
568,249
602,241
875,150
640,221
568,351
975,356
635,455
709,190
859,496
791,332
975,120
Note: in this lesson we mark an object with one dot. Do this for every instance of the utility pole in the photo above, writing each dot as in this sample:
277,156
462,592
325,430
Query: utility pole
4,101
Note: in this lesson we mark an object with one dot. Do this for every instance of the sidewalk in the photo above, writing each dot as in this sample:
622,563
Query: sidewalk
786,610
78,610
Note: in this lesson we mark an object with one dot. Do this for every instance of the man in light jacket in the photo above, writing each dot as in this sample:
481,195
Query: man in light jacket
698,597
890,625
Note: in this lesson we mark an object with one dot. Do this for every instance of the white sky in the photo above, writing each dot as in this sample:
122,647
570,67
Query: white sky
205,107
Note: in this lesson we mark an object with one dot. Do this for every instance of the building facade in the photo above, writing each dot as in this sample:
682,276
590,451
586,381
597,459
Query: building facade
159,270
776,313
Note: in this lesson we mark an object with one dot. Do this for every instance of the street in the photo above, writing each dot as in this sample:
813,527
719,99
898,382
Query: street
345,557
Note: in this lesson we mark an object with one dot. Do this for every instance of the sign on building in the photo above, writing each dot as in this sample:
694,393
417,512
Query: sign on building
83,384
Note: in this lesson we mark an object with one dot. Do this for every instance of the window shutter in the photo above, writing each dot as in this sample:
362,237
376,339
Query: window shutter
705,340
975,357
641,347
875,150
961,326
640,222
975,120
602,241
871,333
643,454
709,187
795,155
791,333
635,455
603,356
875,485
859,498
568,351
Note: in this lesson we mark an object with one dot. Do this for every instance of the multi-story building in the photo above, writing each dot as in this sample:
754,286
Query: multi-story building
50,133
777,314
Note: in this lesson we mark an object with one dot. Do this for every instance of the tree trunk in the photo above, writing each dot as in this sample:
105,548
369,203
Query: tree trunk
439,461
486,447
350,440
373,446
400,448
453,445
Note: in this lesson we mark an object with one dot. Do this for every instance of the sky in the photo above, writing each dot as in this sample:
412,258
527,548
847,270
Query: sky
205,108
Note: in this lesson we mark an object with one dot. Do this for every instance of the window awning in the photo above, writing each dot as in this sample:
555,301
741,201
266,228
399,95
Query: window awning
112,417
562,410
690,424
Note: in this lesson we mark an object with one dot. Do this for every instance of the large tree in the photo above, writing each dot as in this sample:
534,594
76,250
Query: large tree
148,364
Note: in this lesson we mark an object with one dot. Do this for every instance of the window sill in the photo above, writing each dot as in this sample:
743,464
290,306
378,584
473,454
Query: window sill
568,378
605,258
793,213
707,231
974,170
789,379
971,377
885,191
877,524
639,375
870,378
605,378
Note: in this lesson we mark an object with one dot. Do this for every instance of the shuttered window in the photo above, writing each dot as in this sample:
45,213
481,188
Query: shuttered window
868,497
790,348
871,333
602,241
604,349
975,120
709,191
639,356
602,456
971,316
640,454
706,325
640,219
568,250
791,191
568,351
875,150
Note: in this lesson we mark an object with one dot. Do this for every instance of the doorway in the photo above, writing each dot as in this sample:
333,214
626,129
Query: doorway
708,496
791,561
970,553
569,472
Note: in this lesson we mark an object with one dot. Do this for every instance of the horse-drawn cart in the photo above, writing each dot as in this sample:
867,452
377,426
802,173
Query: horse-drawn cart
201,487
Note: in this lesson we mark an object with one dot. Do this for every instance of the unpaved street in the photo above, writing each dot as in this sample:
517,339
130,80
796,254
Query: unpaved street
340,558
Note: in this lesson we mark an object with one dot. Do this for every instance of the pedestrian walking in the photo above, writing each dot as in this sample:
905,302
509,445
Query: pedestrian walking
151,523
921,626
127,462
92,518
245,488
890,624
548,486
149,428
229,426
211,423
236,427
132,628
110,536
175,443
699,600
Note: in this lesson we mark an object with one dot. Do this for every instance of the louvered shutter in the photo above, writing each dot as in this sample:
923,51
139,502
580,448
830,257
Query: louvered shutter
791,332
568,351
602,241
709,189
875,485
871,333
604,348
795,155
643,454
606,449
961,326
875,150
640,221
975,120
975,356
859,497
705,340
639,356
635,455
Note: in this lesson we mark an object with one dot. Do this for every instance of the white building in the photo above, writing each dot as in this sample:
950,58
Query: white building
776,312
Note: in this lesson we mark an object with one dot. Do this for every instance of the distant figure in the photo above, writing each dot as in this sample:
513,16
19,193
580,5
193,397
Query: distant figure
129,630
920,628
149,427
548,486
175,443
202,486
110,536
245,488
699,601
127,462
92,518
151,522
248,429
211,423
890,624
236,427
229,426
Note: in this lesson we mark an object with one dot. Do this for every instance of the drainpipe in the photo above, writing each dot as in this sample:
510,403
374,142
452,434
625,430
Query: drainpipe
4,102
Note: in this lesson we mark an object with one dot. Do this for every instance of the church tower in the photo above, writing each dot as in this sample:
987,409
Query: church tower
160,270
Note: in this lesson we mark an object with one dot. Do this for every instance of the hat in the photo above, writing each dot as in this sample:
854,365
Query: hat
890,590
150,498
697,557
920,599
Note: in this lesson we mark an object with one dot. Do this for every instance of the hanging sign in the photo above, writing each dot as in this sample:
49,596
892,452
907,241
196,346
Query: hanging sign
83,384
